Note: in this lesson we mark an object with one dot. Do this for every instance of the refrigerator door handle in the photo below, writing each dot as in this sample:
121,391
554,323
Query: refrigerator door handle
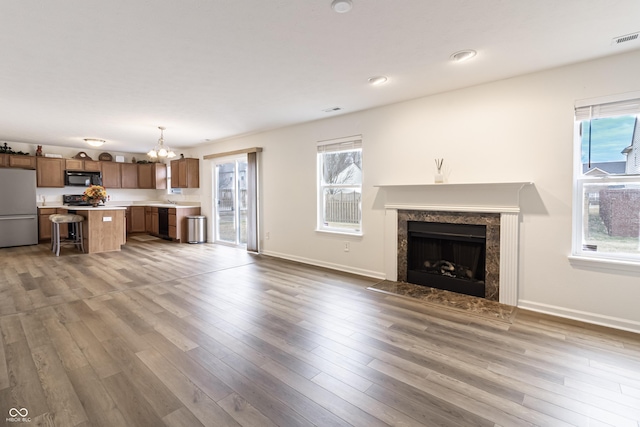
7,218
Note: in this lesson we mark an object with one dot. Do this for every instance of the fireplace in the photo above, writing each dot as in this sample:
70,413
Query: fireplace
447,256
495,205
455,251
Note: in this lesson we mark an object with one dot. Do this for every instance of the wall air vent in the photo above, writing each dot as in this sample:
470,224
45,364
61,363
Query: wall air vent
625,39
332,110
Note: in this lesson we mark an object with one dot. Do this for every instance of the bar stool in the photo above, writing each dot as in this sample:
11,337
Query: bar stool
76,230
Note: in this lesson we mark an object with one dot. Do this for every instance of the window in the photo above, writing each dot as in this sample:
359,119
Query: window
340,185
607,180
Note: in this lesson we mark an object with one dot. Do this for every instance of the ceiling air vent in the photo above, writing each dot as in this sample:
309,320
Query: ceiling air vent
625,39
332,110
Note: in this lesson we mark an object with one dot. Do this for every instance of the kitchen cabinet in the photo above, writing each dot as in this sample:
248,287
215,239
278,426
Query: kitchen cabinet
92,165
178,222
24,162
44,225
173,229
74,164
152,175
111,175
147,219
185,173
17,161
152,225
82,165
50,172
136,219
128,175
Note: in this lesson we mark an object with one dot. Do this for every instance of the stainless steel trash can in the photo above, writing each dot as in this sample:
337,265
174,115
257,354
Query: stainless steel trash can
196,229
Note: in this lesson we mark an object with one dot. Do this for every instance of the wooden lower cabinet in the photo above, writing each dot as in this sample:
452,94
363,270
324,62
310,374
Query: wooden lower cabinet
178,229
136,219
44,225
152,225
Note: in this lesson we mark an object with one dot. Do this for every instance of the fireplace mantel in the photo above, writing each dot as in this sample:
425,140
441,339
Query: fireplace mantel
497,197
464,197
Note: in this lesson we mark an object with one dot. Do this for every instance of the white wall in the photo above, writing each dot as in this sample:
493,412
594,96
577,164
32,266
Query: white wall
520,129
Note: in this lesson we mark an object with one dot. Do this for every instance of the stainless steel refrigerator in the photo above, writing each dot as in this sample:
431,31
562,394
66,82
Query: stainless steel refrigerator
18,211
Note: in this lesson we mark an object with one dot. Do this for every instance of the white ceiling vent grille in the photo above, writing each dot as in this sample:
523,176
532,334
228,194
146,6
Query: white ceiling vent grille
625,39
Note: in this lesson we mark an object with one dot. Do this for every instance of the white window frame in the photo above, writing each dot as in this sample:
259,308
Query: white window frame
351,143
610,106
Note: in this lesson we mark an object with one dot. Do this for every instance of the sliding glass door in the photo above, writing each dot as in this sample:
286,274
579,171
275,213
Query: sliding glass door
231,201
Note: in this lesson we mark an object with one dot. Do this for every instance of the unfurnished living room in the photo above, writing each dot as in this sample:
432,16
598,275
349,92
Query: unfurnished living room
316,213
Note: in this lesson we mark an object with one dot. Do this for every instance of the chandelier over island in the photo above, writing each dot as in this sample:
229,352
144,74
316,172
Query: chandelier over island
160,151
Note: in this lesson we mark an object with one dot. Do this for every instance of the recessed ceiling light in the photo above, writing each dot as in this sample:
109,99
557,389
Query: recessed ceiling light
463,55
94,142
341,6
377,80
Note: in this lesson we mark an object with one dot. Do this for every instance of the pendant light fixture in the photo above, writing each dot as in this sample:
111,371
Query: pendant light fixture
160,151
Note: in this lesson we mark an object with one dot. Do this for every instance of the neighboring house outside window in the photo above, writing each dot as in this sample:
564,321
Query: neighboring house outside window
607,180
339,163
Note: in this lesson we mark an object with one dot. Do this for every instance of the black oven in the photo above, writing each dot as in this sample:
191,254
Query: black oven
82,178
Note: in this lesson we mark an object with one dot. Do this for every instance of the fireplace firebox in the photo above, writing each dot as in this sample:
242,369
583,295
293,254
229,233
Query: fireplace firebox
447,256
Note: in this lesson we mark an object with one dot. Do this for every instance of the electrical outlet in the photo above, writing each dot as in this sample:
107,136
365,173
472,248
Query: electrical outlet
267,235
347,246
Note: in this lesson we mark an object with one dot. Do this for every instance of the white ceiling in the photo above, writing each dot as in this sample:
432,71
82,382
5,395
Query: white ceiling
213,69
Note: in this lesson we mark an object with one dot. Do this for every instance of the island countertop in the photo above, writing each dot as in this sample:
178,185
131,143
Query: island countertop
91,208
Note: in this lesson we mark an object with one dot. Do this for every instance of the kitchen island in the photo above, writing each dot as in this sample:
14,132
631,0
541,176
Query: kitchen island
103,228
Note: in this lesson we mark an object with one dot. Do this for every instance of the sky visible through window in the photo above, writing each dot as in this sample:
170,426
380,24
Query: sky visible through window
609,136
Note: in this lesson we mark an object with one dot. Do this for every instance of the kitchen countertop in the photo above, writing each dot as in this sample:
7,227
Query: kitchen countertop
165,205
116,205
97,208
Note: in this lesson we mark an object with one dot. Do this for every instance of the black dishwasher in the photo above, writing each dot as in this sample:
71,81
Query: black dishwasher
163,223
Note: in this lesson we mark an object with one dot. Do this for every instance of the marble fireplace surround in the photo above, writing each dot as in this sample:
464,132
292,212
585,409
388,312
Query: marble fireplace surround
496,204
490,220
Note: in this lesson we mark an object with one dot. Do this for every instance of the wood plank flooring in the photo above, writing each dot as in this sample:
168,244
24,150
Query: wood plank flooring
207,335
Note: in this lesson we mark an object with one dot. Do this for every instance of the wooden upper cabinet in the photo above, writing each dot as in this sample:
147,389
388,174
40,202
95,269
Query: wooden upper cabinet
24,162
185,173
92,165
129,175
111,175
50,172
152,175
74,164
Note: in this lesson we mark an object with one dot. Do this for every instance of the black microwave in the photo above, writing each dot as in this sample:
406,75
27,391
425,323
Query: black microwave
82,178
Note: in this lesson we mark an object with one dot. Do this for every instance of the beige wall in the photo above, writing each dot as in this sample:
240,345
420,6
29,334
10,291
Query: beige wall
520,129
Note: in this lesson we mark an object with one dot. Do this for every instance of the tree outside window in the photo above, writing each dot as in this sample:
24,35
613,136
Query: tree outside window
340,186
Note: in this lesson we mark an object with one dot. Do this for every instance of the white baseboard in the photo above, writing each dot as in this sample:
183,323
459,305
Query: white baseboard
583,316
339,267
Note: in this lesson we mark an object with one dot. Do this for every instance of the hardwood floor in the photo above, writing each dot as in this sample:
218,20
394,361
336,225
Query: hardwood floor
192,335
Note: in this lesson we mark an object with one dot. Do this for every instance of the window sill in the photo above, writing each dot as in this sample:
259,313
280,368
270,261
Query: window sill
341,233
604,264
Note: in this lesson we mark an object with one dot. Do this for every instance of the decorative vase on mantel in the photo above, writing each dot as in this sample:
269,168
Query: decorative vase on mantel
439,177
